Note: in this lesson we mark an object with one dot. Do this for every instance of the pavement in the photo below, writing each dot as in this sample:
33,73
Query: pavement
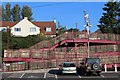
53,74
46,70
33,71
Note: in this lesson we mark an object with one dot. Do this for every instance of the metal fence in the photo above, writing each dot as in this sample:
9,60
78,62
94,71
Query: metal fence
41,55
38,58
76,35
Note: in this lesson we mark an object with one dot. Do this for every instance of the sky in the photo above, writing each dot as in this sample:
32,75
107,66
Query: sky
57,0
66,13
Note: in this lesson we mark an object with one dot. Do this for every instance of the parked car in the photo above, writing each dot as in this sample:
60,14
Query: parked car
67,67
90,65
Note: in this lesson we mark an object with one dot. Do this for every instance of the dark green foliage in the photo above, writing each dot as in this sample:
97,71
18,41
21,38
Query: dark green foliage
21,42
16,13
61,30
118,18
8,12
0,43
3,14
73,29
4,40
27,12
109,20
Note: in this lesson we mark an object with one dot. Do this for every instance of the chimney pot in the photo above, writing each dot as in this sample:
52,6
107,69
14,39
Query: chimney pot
54,20
25,18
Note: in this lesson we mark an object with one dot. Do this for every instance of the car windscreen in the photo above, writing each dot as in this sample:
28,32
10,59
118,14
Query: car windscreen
93,60
68,65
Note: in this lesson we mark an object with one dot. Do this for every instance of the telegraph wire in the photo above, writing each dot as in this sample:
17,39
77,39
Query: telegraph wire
54,4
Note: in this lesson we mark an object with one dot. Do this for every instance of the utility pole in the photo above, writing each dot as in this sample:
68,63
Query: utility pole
87,27
8,37
76,25
58,25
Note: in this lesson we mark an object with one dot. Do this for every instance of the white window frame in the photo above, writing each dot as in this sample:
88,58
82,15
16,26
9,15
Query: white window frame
3,29
48,29
17,29
32,29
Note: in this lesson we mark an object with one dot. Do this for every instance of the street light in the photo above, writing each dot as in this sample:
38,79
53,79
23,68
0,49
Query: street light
88,30
87,26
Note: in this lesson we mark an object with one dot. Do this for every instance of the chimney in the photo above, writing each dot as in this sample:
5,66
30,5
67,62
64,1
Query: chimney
54,20
26,18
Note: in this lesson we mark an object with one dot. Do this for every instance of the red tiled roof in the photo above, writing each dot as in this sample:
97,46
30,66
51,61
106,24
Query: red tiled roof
5,24
42,26
98,31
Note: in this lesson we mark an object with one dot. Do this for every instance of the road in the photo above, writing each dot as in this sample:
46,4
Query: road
54,75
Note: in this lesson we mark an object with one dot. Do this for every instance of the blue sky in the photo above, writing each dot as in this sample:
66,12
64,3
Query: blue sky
56,0
67,13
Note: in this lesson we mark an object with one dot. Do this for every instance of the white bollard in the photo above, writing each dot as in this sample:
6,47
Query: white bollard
105,68
115,68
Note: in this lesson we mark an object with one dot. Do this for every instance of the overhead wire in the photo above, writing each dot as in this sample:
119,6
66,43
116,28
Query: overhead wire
54,4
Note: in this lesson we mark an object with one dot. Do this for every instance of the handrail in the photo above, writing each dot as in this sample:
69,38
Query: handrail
74,35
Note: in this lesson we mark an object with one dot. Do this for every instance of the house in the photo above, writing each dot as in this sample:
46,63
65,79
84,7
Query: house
25,28
98,31
5,25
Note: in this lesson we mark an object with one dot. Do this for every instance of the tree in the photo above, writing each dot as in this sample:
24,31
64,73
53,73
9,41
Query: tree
3,14
0,12
109,20
16,13
61,30
4,40
118,19
73,29
27,12
8,12
24,42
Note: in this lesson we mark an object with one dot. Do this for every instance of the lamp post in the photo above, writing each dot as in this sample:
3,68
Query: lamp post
87,26
8,37
88,42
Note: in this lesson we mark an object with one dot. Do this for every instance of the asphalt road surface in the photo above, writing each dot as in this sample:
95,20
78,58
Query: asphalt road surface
54,75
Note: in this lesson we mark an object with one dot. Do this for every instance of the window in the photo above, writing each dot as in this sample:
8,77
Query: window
32,29
91,60
17,29
68,65
48,29
4,30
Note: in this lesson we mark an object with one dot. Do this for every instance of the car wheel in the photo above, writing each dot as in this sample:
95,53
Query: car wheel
85,74
76,73
88,74
95,66
98,74
60,72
